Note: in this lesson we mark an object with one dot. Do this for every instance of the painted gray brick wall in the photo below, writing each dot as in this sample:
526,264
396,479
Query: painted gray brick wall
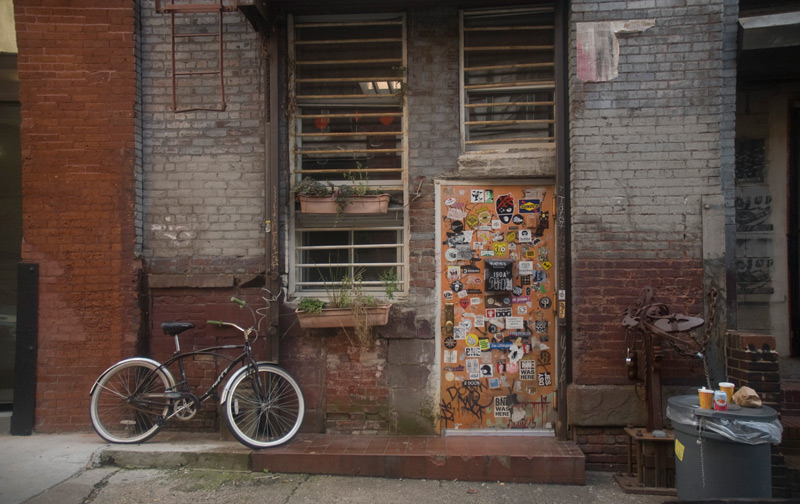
203,172
647,145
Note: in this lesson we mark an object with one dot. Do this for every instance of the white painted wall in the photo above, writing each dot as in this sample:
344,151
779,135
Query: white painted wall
8,36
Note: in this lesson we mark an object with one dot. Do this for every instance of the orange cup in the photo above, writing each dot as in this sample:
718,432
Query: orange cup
727,387
706,397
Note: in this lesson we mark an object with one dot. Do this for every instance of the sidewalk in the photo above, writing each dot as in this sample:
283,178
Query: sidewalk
67,468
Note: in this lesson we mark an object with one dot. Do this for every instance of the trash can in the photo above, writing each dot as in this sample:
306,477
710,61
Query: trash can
722,454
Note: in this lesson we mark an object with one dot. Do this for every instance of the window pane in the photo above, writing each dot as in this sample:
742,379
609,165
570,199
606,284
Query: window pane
508,77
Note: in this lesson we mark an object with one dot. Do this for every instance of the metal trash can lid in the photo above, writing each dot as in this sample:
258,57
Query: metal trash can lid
745,425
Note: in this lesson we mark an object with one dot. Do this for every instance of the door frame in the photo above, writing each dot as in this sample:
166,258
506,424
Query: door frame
559,335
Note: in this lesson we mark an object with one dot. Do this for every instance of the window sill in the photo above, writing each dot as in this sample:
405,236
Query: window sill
531,162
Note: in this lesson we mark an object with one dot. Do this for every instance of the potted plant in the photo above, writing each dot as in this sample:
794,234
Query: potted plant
354,198
349,306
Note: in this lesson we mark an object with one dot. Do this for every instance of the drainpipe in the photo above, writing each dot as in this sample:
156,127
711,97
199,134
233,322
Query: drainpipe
272,190
564,339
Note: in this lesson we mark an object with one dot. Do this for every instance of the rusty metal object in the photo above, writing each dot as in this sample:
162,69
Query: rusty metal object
654,325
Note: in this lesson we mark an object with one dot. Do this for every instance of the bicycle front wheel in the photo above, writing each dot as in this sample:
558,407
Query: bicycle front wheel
129,402
265,407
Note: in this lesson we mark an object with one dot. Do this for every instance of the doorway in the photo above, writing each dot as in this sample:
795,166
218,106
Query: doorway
497,295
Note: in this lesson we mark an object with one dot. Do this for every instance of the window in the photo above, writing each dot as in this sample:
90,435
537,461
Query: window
348,116
507,78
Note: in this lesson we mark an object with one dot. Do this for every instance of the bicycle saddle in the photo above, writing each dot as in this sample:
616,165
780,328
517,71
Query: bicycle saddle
176,327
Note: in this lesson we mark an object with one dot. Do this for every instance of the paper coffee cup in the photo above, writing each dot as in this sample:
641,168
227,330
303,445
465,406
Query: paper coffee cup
706,397
727,387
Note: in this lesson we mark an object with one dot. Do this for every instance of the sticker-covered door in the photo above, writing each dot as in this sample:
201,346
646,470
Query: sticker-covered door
497,300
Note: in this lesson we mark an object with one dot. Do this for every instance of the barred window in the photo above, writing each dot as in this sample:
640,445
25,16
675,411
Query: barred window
507,77
347,116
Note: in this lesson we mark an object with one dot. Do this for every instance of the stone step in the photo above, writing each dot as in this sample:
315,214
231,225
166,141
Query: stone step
508,458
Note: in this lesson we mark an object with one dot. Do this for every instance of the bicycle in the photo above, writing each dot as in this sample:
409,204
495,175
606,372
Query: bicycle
262,403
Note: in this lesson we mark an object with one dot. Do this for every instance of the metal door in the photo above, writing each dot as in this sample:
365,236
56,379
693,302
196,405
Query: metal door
497,294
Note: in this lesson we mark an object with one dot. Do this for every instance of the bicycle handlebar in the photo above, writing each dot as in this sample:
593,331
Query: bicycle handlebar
239,302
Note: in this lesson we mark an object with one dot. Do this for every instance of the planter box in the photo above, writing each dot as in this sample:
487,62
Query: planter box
369,204
341,317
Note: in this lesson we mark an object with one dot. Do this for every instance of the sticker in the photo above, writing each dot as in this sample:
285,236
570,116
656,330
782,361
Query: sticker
457,226
462,294
464,302
449,376
500,249
524,236
545,303
484,218
518,219
679,449
522,310
453,273
497,224
527,370
515,323
473,352
472,340
450,356
562,295
449,201
494,383
528,206
544,357
490,313
525,280
487,370
544,379
501,407
456,286
487,253
473,369
476,196
451,254
450,342
562,309
471,220
540,326
466,324
456,215
511,236
525,267
512,367
500,346
475,301
448,295
515,354
520,299
488,196
498,276
459,333
504,206
547,265
544,253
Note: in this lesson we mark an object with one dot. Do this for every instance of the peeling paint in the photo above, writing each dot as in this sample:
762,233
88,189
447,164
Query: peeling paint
598,47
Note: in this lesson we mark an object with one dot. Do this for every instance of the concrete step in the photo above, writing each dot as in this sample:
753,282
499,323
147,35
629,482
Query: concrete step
508,458
5,422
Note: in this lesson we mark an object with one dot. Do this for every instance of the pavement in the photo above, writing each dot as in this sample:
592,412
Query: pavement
80,468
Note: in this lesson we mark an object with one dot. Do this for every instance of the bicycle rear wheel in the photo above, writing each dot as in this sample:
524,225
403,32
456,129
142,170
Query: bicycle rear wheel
129,403
263,408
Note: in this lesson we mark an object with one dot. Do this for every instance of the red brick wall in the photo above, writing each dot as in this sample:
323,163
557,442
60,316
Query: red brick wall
77,92
603,289
198,306
356,386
